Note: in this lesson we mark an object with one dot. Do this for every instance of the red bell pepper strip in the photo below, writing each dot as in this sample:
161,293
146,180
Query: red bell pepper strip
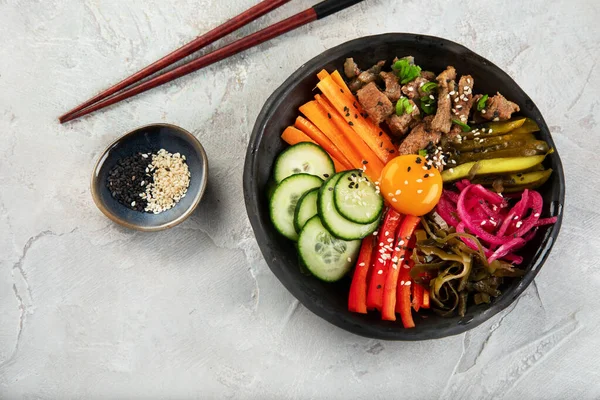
357,299
399,269
381,258
417,296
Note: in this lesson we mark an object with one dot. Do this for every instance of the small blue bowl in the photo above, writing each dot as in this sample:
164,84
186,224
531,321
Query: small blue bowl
151,138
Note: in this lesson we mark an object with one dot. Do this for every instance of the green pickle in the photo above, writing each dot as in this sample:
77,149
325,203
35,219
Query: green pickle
516,182
491,166
498,128
531,148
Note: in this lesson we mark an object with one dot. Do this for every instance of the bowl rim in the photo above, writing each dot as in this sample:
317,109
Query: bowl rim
337,318
167,225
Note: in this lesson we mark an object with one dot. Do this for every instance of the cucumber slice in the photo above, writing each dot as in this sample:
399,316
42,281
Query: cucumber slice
326,257
339,226
303,158
284,199
306,209
356,199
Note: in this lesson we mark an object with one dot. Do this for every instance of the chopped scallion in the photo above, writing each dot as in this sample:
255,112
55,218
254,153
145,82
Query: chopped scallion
403,106
481,102
464,127
429,86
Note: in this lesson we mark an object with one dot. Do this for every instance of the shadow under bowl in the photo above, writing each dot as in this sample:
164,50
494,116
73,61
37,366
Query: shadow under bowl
330,301
151,138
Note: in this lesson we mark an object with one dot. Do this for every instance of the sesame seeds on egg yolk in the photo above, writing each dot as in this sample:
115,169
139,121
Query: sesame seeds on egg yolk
409,187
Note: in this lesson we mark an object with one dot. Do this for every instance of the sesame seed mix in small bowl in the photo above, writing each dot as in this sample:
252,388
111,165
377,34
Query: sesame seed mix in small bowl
151,178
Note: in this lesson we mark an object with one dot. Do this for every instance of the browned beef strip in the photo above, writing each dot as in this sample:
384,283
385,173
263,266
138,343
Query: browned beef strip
375,103
462,102
428,75
392,86
350,68
412,89
367,76
420,137
399,125
442,122
497,108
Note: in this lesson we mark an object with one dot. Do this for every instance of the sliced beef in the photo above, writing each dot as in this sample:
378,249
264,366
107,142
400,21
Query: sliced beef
366,77
428,75
442,122
462,102
420,137
351,69
375,103
399,125
392,86
497,108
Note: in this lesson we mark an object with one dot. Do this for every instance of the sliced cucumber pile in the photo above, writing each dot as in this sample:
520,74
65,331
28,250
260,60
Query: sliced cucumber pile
306,209
326,219
303,158
325,256
335,223
356,198
284,200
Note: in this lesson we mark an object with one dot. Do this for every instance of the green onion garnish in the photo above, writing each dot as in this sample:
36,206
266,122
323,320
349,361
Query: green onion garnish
428,105
429,86
481,102
463,127
423,153
406,71
403,106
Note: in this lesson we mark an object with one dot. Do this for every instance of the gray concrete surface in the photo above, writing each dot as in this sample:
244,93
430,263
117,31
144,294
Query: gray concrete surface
89,310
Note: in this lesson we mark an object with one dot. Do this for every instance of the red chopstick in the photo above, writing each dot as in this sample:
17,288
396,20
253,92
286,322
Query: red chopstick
103,100
232,25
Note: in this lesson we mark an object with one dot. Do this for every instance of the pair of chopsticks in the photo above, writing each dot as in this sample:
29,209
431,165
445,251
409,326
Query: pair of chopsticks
128,88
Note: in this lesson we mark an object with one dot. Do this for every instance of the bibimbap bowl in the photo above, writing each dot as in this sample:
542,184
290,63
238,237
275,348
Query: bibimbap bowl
330,300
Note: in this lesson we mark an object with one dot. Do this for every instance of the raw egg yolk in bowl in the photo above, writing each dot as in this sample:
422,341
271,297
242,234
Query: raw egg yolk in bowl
411,186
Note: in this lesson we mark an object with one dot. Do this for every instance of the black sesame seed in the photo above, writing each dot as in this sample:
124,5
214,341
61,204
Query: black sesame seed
354,104
355,116
408,170
378,286
350,123
380,133
328,115
392,151
341,90
365,162
418,160
330,189
426,176
326,175
381,144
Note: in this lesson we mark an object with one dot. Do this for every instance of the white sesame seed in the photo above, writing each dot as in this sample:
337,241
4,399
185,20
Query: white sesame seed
483,222
469,81
401,283
458,107
420,191
401,242
536,215
349,259
421,84
380,244
361,264
419,180
496,119
390,194
380,272
387,233
394,200
456,100
407,283
519,224
516,217
390,240
410,89
398,191
431,97
375,233
132,203
406,182
425,168
483,111
452,93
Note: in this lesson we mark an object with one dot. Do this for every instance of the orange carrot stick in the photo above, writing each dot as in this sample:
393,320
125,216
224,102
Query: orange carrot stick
425,298
322,74
318,116
294,136
337,78
374,166
351,111
315,134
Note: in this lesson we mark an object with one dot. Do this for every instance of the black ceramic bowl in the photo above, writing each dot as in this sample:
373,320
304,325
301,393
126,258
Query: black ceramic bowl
151,138
329,301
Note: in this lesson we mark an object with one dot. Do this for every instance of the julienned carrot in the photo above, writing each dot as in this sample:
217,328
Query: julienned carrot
315,134
403,304
294,136
337,78
398,267
425,298
322,74
381,258
353,113
324,121
374,166
357,299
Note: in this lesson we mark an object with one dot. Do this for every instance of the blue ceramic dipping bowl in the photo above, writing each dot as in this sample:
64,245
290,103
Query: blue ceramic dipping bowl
151,138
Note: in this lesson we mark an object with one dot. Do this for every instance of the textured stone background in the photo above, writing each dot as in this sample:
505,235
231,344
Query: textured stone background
90,310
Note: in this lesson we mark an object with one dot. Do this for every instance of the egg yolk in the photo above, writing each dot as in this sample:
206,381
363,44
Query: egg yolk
410,185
